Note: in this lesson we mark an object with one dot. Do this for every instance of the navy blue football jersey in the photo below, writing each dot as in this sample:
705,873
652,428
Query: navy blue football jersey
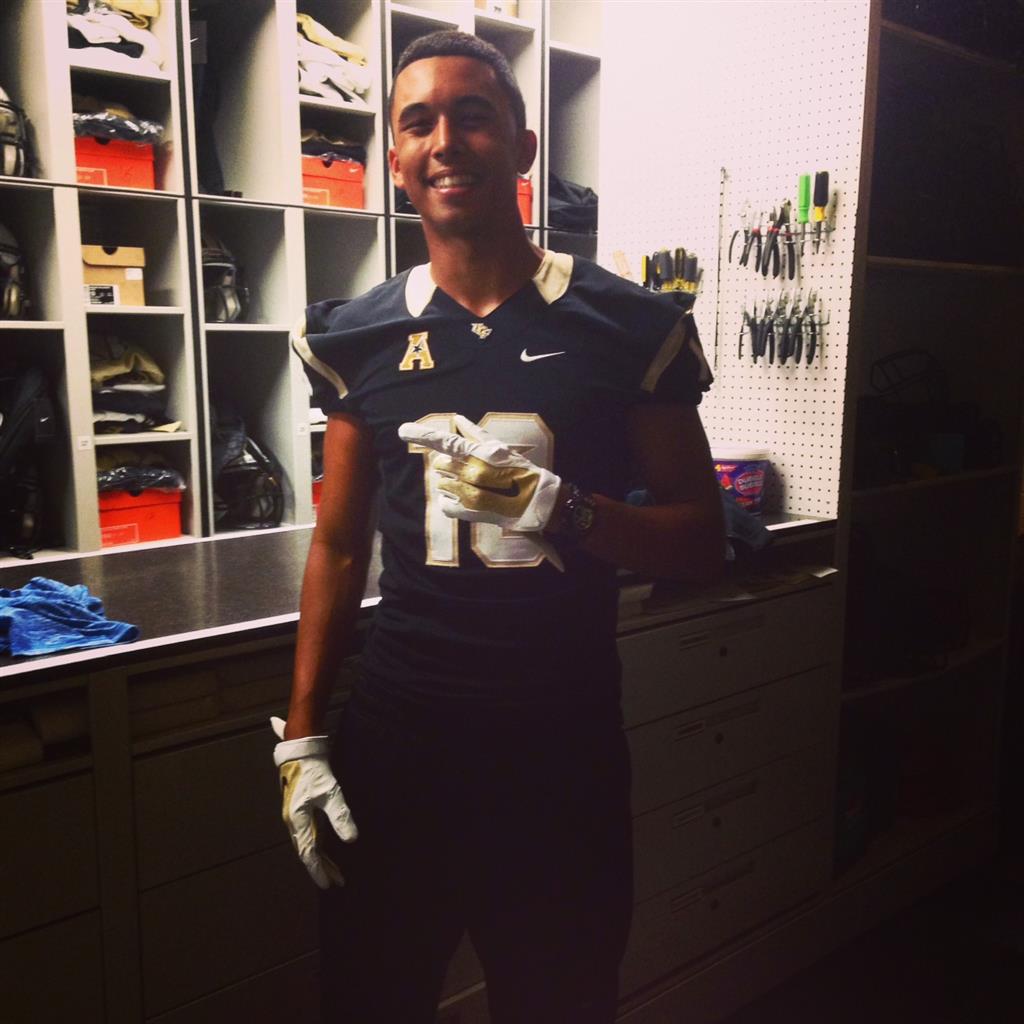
466,610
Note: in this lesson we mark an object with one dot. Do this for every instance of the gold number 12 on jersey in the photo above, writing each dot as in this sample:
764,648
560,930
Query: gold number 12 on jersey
525,433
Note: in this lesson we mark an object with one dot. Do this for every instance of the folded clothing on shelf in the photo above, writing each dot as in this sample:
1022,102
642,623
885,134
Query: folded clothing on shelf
129,393
103,35
330,67
106,119
46,616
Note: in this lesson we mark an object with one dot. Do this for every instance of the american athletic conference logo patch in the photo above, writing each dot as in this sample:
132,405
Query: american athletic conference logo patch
417,353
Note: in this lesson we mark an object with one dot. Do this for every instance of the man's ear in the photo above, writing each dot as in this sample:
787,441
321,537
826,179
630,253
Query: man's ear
527,150
396,172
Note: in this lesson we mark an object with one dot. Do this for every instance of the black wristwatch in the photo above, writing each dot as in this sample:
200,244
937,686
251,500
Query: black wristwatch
579,512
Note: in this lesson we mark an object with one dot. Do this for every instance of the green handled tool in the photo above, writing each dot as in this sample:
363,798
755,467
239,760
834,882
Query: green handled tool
803,206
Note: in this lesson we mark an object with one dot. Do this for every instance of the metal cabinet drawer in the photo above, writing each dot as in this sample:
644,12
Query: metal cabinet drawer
54,975
693,835
48,854
671,668
684,753
469,1008
690,920
228,784
287,993
207,931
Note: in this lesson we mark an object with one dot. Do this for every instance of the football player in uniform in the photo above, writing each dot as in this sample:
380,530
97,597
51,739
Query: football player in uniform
491,408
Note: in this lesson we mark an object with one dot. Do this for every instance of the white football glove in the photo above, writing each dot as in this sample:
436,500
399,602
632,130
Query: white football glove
483,480
308,784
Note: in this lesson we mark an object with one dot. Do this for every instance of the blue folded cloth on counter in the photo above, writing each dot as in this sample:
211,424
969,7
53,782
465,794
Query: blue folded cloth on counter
45,616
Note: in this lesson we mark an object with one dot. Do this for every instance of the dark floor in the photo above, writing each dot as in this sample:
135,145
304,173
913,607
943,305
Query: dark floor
955,958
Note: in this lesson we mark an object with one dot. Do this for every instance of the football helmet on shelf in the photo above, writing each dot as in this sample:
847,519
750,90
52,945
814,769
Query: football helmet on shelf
224,297
13,138
13,297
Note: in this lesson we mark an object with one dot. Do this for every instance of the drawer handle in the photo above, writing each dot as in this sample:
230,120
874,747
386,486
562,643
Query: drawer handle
747,868
691,640
684,817
686,900
751,707
747,789
688,729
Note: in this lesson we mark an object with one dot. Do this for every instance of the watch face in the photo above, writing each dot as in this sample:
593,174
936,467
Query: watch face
582,517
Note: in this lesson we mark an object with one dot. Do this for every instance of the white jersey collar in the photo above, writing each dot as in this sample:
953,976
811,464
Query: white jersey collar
551,280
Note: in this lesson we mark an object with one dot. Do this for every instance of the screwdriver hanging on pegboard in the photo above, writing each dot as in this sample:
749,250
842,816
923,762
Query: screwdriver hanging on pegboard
803,207
820,203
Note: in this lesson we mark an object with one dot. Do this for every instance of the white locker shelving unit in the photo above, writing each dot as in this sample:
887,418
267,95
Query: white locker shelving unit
291,252
54,215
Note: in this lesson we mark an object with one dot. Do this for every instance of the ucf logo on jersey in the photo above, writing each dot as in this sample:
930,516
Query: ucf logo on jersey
417,354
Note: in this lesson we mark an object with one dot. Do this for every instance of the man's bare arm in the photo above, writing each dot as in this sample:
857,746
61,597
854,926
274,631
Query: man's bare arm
335,575
682,536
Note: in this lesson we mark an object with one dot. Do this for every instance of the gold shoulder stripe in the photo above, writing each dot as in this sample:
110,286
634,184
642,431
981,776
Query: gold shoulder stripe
305,353
553,275
669,350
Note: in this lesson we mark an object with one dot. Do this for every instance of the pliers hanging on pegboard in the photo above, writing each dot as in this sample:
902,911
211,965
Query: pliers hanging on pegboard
812,324
746,225
771,247
787,343
753,241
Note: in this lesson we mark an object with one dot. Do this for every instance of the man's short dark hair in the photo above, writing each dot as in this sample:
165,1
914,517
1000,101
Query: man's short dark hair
450,43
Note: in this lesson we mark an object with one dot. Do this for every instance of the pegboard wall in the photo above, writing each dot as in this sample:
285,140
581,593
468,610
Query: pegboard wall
729,104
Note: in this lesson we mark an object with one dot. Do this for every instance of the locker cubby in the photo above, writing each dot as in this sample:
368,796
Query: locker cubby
519,40
154,223
409,246
961,322
178,455
418,18
255,237
23,76
360,128
263,396
574,111
146,98
162,337
28,213
249,87
359,23
344,254
22,346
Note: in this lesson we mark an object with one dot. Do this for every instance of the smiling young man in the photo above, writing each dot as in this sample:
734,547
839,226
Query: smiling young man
500,400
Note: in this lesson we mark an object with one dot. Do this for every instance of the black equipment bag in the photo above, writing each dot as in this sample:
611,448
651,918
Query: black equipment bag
27,422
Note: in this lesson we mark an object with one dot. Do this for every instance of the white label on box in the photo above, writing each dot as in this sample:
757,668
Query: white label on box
133,273
102,295
123,533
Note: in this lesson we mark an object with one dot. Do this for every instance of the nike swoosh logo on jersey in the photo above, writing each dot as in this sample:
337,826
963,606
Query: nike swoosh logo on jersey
544,355
503,492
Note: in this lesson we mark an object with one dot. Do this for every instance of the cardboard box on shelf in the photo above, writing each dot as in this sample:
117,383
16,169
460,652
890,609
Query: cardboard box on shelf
113,275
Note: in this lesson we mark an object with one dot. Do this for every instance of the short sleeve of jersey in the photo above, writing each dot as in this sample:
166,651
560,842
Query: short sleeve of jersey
678,372
657,348
336,339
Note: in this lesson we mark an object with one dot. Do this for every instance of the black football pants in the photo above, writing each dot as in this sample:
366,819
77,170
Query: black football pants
514,829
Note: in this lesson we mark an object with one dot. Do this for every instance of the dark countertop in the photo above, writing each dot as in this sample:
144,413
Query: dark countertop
183,593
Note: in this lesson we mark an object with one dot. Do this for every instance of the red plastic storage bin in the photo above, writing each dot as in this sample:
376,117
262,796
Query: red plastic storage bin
525,197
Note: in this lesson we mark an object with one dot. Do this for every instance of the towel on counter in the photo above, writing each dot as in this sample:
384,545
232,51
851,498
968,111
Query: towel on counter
45,616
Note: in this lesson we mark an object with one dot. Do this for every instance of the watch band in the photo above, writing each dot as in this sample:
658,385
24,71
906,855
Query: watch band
579,512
